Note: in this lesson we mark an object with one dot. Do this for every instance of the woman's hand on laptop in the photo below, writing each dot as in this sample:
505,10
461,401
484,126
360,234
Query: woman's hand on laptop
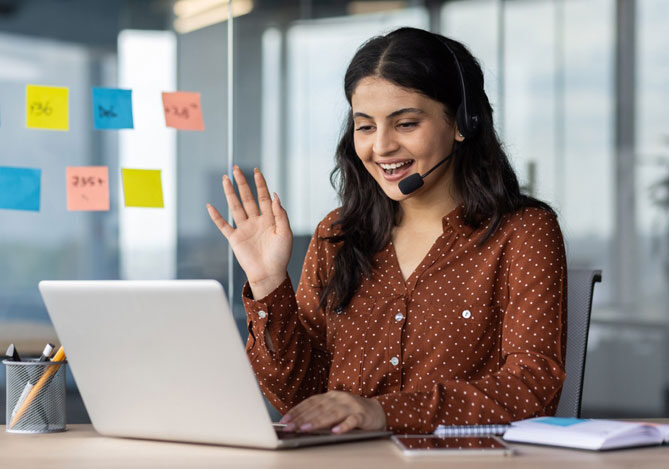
342,411
262,240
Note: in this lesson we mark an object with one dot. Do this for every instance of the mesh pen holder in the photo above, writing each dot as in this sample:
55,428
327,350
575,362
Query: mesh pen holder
35,396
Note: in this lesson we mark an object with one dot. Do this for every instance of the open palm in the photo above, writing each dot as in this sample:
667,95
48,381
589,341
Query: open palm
262,240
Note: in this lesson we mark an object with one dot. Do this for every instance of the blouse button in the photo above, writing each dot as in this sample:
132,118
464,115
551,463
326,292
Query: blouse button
262,314
394,361
466,314
399,317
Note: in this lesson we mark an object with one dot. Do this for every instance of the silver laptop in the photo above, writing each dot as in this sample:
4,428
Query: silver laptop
164,360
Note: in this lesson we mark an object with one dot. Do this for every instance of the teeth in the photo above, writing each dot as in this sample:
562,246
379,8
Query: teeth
393,165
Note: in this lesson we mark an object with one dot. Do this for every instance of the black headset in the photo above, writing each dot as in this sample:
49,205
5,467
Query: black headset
466,116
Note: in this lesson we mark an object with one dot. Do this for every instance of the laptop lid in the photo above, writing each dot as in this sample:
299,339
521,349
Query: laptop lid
159,360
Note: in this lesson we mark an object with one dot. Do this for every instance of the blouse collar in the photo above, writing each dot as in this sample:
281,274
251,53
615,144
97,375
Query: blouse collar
454,220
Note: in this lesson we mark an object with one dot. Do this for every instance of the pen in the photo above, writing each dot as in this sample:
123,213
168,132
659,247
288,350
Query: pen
50,371
46,353
12,353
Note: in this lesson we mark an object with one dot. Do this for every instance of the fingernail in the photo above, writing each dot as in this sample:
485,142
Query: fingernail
336,429
290,427
286,418
306,426
256,170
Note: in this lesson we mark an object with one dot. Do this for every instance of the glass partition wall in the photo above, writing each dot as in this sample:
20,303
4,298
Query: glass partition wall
577,87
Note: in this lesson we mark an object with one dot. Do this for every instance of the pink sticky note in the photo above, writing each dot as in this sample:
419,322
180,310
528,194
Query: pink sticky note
87,187
183,110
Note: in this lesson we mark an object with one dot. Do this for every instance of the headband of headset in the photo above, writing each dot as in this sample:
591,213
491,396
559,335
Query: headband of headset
466,116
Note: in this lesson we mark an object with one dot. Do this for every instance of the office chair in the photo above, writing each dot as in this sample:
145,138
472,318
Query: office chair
580,285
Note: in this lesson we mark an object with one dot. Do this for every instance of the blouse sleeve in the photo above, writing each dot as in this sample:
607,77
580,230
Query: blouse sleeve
533,343
297,364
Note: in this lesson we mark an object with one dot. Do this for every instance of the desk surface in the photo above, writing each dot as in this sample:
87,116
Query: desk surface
82,447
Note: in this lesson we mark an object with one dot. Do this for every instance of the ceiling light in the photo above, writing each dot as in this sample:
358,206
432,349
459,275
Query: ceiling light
192,15
363,8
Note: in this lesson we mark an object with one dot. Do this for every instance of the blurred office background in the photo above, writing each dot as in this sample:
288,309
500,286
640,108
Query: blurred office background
580,90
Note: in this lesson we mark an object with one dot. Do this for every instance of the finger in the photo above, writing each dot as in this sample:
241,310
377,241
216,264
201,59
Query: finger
264,199
280,217
323,411
349,423
325,418
220,222
323,415
295,418
248,201
236,209
294,414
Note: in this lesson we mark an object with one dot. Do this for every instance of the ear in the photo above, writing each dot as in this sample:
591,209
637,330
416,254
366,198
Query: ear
458,136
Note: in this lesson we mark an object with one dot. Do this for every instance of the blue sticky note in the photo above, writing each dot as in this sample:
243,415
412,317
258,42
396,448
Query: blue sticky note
20,188
112,108
559,421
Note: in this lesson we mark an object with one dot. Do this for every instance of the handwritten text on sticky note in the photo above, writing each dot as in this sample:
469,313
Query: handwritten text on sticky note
87,187
47,107
183,110
20,188
112,108
142,187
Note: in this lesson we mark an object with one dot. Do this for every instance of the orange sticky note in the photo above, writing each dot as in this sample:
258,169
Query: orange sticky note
142,188
47,107
183,110
87,187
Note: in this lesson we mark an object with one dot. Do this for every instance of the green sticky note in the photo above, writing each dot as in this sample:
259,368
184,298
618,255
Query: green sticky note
142,188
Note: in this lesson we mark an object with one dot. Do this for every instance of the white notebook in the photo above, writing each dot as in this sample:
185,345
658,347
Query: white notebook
592,434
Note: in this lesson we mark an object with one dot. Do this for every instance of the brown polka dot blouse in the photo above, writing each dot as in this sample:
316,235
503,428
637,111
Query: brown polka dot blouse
475,335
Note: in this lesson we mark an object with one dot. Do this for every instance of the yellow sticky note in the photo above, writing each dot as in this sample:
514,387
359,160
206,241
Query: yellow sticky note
142,188
47,107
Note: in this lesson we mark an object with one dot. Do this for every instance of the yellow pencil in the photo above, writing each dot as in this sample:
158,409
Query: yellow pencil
48,373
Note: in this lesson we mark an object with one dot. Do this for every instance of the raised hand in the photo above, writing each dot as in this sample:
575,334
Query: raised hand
262,240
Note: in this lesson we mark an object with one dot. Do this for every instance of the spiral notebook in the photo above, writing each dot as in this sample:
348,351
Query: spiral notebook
470,430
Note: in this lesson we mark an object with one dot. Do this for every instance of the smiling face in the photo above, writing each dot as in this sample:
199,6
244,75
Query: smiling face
398,132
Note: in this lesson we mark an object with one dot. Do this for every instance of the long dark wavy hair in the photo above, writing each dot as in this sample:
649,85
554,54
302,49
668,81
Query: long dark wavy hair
483,177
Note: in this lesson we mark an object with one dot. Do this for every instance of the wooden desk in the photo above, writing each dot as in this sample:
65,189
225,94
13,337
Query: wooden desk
81,447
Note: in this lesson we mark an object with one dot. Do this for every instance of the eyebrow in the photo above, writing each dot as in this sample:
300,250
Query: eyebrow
392,114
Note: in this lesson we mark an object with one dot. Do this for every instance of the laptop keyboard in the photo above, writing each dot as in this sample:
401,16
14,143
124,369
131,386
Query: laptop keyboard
284,435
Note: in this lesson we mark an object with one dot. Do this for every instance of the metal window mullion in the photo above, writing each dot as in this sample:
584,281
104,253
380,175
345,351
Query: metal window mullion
625,265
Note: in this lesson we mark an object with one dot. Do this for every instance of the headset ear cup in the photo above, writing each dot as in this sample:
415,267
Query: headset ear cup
467,124
461,120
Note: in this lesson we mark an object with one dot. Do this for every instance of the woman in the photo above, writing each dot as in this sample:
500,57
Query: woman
444,304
